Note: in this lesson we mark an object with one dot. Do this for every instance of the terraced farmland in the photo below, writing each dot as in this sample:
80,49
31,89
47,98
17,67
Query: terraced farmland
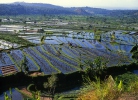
7,66
51,58
65,54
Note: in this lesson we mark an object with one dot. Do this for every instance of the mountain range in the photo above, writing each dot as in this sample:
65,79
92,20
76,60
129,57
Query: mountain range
22,8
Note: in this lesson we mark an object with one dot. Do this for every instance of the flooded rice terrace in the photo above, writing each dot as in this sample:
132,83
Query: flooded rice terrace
63,50
12,93
114,44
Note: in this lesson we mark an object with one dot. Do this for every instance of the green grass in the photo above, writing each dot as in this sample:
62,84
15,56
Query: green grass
13,38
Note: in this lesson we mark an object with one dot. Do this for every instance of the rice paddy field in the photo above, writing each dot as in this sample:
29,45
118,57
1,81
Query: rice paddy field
32,50
63,53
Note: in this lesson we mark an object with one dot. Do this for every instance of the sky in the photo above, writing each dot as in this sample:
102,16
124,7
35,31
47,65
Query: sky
108,4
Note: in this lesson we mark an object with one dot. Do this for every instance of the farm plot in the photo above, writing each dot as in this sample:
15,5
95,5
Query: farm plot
79,53
44,65
87,44
48,49
6,70
5,63
5,60
61,64
90,54
55,59
60,55
70,52
95,43
113,58
18,57
82,54
58,48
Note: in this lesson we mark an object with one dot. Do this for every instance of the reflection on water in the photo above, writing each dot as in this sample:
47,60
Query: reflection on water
117,44
121,42
7,45
15,95
135,72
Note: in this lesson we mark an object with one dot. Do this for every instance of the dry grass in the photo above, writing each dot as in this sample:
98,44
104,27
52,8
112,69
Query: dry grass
107,90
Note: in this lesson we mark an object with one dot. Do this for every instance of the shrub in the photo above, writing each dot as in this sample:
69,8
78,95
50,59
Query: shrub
129,80
98,90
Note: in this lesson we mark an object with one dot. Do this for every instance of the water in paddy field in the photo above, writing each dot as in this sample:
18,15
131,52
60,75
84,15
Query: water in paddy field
83,44
122,42
11,28
116,50
135,72
110,48
7,45
15,95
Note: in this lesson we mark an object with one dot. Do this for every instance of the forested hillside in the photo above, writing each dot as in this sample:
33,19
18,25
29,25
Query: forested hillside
21,8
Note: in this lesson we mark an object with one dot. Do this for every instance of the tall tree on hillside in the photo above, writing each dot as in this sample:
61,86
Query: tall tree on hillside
51,84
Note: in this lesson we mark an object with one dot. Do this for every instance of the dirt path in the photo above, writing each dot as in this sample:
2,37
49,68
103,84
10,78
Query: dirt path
29,94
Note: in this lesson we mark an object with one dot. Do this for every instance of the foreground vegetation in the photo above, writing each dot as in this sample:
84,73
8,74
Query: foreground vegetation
97,81
97,86
110,89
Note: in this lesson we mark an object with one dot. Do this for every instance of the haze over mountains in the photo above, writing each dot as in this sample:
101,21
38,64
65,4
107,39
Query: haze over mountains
22,8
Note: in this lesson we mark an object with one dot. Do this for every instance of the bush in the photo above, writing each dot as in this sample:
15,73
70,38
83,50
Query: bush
128,79
98,90
109,89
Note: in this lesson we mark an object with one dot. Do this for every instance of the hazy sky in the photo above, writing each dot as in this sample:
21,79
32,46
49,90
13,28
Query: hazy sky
117,4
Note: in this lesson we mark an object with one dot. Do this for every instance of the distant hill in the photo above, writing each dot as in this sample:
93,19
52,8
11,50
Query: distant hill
37,5
18,8
22,8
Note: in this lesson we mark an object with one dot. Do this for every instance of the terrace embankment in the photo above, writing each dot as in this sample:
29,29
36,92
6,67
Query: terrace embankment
65,82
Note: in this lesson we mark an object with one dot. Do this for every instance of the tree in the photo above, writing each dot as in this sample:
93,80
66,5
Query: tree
80,61
81,27
40,30
97,66
51,84
113,36
90,27
23,65
59,51
134,52
43,39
